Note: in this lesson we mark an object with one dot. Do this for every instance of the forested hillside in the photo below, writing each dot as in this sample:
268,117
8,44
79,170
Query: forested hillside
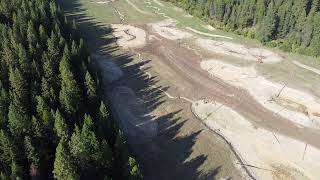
292,25
53,122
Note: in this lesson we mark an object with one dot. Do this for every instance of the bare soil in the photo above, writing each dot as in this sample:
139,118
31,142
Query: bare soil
170,142
193,82
155,76
164,72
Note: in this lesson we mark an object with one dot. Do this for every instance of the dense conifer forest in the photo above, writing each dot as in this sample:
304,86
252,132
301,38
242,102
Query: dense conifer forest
292,25
53,121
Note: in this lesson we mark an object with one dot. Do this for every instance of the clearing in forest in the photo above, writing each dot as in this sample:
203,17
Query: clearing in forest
201,102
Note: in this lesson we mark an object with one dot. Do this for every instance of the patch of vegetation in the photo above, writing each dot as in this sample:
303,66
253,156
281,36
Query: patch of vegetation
53,121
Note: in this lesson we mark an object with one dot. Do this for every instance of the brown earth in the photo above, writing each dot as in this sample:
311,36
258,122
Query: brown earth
182,147
180,69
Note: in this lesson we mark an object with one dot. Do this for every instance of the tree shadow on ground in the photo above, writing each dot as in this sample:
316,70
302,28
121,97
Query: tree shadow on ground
167,153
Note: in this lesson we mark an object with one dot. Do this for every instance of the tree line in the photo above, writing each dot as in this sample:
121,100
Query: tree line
292,25
53,121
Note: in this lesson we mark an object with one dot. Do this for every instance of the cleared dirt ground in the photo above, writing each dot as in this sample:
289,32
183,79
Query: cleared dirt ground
154,69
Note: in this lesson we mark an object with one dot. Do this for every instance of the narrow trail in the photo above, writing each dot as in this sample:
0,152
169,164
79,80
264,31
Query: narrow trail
317,71
157,9
207,34
158,2
137,9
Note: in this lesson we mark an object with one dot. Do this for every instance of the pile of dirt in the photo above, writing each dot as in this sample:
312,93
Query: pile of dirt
262,151
129,36
168,30
239,51
292,104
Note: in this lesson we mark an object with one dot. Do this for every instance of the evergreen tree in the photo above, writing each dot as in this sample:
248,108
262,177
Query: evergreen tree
4,107
45,114
84,145
134,169
19,89
16,170
33,156
32,38
91,90
18,120
38,129
106,127
43,84
267,26
70,92
23,60
283,23
6,149
43,36
64,166
60,126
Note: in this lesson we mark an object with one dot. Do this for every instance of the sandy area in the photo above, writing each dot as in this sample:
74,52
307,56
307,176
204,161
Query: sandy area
239,51
137,9
107,68
129,36
299,107
317,71
268,155
168,30
207,34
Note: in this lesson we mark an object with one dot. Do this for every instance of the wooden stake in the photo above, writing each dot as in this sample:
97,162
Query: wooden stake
305,149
